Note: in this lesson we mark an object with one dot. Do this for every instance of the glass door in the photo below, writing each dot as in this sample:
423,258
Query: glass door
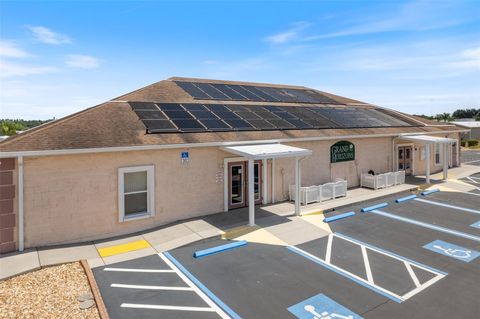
236,185
405,159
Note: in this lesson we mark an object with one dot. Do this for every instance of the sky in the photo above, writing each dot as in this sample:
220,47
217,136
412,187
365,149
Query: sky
59,57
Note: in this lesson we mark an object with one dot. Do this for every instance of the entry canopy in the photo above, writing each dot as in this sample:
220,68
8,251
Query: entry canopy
264,151
426,139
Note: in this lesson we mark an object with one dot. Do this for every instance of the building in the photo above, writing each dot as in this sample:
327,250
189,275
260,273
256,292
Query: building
473,128
183,147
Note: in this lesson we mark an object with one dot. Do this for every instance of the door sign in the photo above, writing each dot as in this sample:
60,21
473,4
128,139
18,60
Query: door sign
321,307
451,250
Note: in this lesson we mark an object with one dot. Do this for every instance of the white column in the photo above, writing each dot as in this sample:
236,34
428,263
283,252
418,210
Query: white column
251,193
297,186
264,181
226,177
427,168
445,160
21,226
273,181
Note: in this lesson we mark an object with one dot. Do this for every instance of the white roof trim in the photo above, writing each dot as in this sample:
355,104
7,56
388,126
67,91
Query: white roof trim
264,151
427,139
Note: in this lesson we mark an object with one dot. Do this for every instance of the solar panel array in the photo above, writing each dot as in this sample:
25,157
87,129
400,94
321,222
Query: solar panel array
235,92
196,117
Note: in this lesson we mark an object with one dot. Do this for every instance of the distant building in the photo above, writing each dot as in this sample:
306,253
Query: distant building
474,126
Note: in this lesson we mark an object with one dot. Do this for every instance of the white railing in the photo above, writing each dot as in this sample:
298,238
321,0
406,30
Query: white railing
382,180
319,193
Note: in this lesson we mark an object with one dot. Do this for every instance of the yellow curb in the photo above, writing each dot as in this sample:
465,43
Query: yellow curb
315,212
238,231
123,248
317,220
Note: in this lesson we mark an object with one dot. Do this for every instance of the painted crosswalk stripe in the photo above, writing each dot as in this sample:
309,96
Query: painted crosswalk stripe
151,287
166,307
474,211
139,270
427,225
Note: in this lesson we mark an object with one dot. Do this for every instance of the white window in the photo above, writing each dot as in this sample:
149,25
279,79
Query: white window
438,154
136,191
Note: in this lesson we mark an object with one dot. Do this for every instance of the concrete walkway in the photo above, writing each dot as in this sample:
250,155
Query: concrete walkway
276,224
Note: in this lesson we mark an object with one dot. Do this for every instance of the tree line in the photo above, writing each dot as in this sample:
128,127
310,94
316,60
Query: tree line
11,127
458,114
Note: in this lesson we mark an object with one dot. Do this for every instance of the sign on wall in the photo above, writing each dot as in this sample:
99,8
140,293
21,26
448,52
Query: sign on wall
342,151
185,157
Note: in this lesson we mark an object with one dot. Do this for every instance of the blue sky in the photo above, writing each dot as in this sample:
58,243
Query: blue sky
60,57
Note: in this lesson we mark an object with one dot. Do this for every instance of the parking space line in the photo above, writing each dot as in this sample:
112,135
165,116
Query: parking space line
472,180
151,287
346,274
164,307
412,274
422,287
474,211
328,254
139,270
426,225
213,301
368,270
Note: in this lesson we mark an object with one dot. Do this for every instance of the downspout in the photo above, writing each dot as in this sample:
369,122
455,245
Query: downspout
21,231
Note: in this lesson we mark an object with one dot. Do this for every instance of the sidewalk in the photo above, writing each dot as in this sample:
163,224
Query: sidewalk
277,224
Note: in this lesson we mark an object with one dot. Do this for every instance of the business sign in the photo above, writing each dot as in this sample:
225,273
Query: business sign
451,250
342,151
320,306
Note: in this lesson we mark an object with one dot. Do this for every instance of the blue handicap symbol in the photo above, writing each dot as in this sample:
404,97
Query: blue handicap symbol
184,155
476,225
451,250
321,307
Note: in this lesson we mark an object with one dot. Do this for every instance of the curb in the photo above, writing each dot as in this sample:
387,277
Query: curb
102,310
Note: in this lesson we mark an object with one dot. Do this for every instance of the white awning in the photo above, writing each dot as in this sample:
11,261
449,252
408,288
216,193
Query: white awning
427,139
264,151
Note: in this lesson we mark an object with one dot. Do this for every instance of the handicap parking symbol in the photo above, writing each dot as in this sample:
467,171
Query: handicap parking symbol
321,307
451,250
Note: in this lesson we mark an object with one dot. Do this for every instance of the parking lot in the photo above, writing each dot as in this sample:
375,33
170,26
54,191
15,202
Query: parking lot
414,259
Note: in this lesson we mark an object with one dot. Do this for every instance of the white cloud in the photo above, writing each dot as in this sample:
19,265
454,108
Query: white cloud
210,62
82,61
11,50
288,35
48,36
469,59
12,69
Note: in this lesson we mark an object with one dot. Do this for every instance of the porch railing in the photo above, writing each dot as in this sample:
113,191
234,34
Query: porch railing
319,193
382,180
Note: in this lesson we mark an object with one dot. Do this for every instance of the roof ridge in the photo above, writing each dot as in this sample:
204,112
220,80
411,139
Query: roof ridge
134,91
234,82
51,124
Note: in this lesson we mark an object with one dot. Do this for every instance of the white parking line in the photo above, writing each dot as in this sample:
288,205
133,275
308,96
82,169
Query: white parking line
164,307
140,270
368,270
328,253
151,287
474,211
412,274
472,180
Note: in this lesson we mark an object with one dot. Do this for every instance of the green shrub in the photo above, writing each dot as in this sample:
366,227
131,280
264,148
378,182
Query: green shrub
463,143
472,143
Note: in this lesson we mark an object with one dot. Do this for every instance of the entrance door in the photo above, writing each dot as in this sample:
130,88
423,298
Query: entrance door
405,159
238,184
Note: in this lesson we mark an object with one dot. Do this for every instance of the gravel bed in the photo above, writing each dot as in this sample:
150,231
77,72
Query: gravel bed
50,292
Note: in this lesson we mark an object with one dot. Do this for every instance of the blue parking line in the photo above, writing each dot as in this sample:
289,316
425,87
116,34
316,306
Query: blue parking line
337,217
202,287
344,274
413,262
426,225
218,249
474,211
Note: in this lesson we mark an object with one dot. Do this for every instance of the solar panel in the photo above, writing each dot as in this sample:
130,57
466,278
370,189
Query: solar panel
198,117
259,92
143,106
159,125
178,114
193,90
234,95
212,91
246,93
150,115
238,124
215,124
188,125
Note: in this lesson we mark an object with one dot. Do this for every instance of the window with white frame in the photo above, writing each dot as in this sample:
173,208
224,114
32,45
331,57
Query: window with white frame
438,154
136,191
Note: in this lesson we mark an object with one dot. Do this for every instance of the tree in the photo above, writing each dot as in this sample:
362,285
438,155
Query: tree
11,128
445,117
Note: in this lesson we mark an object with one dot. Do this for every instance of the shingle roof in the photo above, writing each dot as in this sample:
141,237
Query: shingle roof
115,124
